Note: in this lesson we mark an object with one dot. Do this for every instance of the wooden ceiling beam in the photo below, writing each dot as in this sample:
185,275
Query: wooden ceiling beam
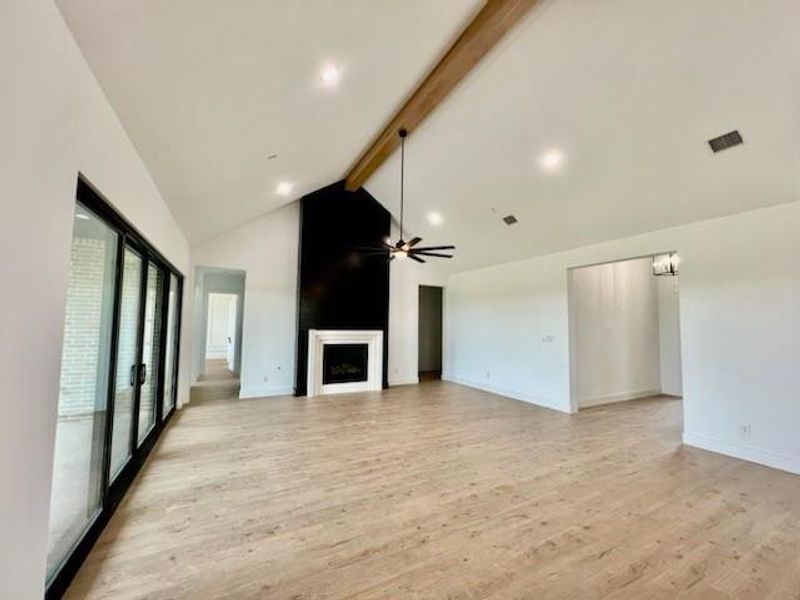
488,27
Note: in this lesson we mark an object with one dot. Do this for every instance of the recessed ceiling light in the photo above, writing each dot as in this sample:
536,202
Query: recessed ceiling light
434,218
284,188
552,160
330,75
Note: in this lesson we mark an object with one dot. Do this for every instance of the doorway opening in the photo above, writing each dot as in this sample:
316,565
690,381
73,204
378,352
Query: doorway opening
430,333
624,332
218,325
221,333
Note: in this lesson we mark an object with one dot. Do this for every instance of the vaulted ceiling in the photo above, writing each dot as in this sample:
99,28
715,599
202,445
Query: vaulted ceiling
208,89
626,92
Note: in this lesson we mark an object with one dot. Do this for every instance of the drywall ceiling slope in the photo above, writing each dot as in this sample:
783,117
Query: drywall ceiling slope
629,92
207,90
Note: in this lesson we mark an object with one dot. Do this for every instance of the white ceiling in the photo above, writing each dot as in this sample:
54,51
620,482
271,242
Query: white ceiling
630,91
207,89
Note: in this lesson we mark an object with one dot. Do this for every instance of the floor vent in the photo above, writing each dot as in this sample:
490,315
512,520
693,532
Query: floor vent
723,142
510,220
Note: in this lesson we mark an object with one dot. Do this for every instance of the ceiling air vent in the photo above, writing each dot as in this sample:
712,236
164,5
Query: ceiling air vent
723,142
509,220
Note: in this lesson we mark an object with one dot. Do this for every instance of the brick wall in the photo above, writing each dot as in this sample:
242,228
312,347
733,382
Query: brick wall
82,368
84,359
129,318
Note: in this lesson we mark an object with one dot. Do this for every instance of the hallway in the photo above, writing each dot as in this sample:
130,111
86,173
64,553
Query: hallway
442,491
218,382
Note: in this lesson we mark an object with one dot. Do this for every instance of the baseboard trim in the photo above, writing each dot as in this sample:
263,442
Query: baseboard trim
767,458
512,394
409,381
618,397
266,391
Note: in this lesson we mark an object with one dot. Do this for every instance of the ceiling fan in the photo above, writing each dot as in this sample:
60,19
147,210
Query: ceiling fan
408,249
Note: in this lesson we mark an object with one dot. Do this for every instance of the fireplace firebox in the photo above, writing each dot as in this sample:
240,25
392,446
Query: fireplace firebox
345,363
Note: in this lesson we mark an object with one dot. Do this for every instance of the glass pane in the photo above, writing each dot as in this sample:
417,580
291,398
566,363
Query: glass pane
126,360
153,316
169,353
83,393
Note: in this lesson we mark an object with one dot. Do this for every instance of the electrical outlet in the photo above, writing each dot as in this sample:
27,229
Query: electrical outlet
549,339
487,374
744,429
266,378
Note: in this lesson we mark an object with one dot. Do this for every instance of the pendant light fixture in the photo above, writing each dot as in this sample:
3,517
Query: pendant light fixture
666,264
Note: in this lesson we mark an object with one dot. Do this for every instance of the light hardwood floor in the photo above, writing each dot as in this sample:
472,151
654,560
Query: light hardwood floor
441,491
217,382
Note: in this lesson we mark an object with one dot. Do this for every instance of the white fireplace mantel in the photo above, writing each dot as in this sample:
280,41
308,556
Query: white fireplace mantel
318,338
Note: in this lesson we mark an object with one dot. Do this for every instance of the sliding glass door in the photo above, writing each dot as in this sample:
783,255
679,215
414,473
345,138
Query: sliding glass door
118,376
171,347
127,375
151,355
76,495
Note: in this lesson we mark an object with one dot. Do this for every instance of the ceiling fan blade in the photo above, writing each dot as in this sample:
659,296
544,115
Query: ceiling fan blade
418,252
416,258
426,248
414,242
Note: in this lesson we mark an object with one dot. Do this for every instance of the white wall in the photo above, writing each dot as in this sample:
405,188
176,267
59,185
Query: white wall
55,121
506,331
405,277
739,318
614,323
669,331
266,250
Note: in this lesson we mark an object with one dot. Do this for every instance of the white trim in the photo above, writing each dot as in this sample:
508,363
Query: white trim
775,460
266,390
408,381
514,395
319,338
618,397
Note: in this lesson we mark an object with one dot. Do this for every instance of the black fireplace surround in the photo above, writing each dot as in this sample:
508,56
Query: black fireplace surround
341,284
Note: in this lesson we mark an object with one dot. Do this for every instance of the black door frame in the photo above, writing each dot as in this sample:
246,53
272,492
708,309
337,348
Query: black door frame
113,492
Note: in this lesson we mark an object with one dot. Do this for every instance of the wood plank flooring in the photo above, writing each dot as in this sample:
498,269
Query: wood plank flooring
217,382
441,491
